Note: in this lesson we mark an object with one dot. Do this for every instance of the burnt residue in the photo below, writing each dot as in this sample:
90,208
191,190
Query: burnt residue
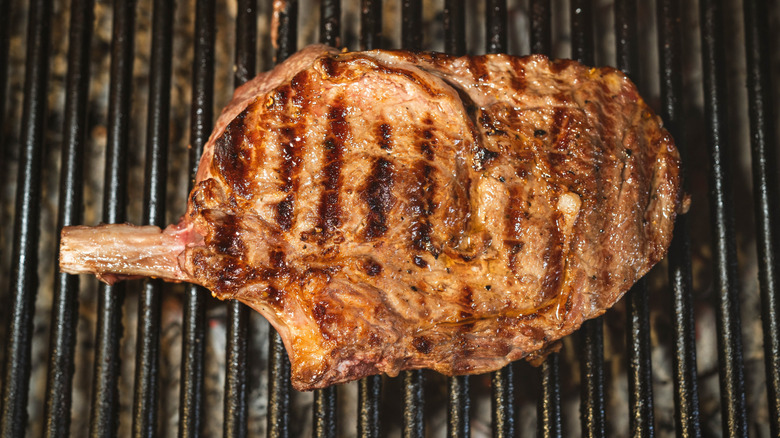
378,196
338,133
384,135
232,160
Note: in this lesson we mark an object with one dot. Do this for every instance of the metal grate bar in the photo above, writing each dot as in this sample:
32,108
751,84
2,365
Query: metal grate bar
325,416
592,409
414,402
370,24
502,381
502,402
459,403
732,382
325,425
65,308
414,394
454,17
194,319
640,372
549,421
279,367
496,26
411,24
146,391
330,22
686,396
235,409
370,388
369,395
5,34
23,285
549,406
541,27
104,418
765,183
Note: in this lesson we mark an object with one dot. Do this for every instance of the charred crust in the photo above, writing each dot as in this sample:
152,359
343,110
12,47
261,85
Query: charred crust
483,157
553,260
419,262
338,132
232,160
422,344
378,196
371,267
384,136
489,125
421,206
284,213
275,297
326,320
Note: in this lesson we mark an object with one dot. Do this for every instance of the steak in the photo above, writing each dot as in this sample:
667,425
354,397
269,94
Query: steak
390,210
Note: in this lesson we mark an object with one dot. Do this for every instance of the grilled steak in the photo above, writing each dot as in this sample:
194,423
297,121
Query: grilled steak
394,210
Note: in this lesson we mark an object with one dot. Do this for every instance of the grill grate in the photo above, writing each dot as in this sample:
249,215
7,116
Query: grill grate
373,393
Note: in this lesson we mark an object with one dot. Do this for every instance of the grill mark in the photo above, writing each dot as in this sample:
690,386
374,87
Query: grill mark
227,237
427,144
518,74
329,66
555,126
384,136
422,206
288,173
478,68
233,161
513,226
378,196
282,96
329,208
553,260
302,96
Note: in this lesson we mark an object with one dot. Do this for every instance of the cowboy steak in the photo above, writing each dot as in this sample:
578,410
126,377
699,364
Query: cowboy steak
393,210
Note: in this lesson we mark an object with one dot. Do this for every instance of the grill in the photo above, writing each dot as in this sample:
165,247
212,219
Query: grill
688,74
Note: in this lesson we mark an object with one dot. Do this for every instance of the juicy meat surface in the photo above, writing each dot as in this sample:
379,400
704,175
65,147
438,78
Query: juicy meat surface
394,210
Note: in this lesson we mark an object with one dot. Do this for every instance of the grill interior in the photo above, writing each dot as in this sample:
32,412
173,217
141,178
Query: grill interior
99,100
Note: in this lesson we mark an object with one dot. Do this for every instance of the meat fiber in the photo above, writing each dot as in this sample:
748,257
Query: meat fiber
394,210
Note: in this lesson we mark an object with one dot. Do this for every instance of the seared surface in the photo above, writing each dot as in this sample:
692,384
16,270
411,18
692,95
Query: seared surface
390,210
